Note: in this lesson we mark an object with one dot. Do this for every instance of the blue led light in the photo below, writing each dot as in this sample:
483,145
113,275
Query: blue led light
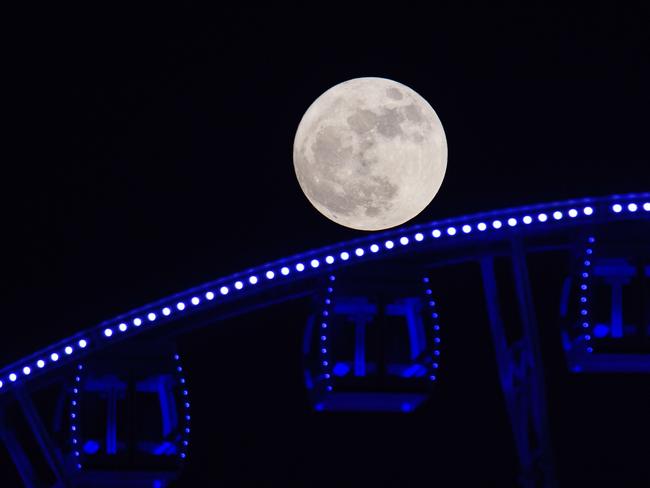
270,275
224,290
467,229
209,296
253,279
151,316
12,377
137,322
496,224
403,240
542,217
40,363
419,237
646,206
451,231
617,208
512,221
557,215
389,244
329,259
239,285
68,350
122,328
166,311
374,248
195,301
284,271
82,343
481,226
54,357
632,207
27,370
527,219
436,233
588,211
314,263
358,251
180,306
345,256
573,213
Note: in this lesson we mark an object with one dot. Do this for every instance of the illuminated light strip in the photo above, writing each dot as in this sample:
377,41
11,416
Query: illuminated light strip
585,295
632,206
185,424
75,431
432,316
323,332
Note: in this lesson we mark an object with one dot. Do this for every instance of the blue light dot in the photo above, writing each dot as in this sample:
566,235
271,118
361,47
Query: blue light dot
425,279
573,213
82,343
588,211
166,311
496,224
419,237
590,349
270,275
195,301
451,231
542,217
432,377
12,377
617,208
68,350
182,455
557,215
54,357
589,251
583,299
327,376
108,332
209,296
587,263
151,316
436,340
332,278
585,275
325,313
224,290
323,338
345,256
512,221
122,327
436,327
481,226
358,251
180,306
27,370
646,206
527,219
137,322
587,337
284,271
253,279
179,369
239,285
323,325
436,353
327,301
403,240
585,325
329,259
323,351
314,263
389,244
435,365
467,228
436,233
329,388
584,312
374,248
40,363
325,363
428,292
583,287
632,207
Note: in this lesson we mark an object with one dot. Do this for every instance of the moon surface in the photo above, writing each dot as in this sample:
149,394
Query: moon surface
370,153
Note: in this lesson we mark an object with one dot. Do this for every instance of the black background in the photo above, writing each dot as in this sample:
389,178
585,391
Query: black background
150,151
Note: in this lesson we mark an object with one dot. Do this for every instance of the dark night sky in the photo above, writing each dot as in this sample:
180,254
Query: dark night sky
154,153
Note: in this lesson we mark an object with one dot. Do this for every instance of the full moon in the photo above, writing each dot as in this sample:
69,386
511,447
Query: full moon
370,153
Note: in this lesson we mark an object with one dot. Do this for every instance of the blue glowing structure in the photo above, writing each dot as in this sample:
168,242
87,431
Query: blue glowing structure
350,367
479,238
